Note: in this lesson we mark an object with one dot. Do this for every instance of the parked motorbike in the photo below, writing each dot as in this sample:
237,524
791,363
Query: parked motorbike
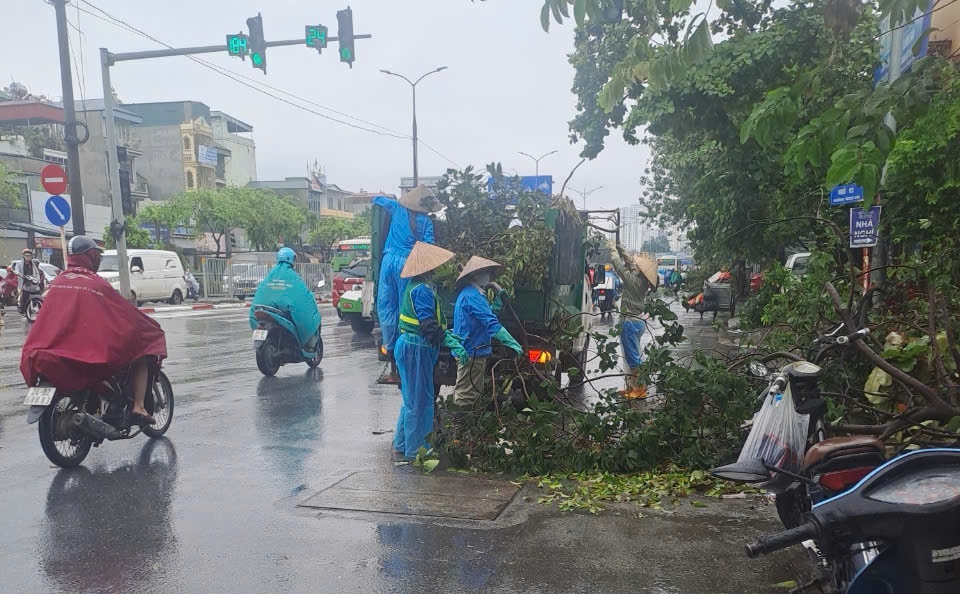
276,343
901,524
70,423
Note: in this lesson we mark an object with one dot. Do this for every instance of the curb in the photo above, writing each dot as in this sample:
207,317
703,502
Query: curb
197,307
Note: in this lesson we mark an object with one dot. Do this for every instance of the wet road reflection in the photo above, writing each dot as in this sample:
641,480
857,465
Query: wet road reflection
108,528
290,423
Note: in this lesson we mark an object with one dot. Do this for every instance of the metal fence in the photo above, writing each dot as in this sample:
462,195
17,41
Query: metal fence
239,277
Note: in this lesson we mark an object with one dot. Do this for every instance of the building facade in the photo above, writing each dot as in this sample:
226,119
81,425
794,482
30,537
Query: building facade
313,193
183,151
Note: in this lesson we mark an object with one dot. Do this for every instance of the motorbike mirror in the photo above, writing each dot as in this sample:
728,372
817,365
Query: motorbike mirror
749,471
758,369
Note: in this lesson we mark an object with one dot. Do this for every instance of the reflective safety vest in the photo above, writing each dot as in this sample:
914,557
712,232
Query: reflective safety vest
409,323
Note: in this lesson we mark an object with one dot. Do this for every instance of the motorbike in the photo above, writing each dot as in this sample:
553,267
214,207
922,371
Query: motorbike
71,423
276,343
33,288
902,521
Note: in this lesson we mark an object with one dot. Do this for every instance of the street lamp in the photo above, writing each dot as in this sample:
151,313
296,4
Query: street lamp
537,161
586,193
413,85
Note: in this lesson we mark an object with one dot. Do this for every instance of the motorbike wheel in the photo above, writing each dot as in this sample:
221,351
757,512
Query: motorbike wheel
33,309
162,407
63,445
268,360
791,507
313,363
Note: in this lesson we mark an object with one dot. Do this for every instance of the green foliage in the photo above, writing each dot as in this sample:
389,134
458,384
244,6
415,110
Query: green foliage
270,220
509,227
328,231
9,191
652,489
656,245
137,238
164,215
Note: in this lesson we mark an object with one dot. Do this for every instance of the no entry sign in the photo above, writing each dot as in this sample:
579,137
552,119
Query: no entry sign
53,179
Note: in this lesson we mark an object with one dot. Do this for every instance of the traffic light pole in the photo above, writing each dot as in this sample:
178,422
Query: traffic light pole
107,60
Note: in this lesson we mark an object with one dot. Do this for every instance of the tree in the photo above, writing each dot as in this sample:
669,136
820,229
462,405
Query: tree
269,219
9,191
328,232
137,238
164,215
217,212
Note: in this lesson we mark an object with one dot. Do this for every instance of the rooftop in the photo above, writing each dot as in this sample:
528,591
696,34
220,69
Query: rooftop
234,125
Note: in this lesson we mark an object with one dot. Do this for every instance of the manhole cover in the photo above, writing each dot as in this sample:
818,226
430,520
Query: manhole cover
417,495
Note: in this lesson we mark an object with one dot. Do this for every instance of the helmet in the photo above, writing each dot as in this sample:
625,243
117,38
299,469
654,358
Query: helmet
286,255
81,244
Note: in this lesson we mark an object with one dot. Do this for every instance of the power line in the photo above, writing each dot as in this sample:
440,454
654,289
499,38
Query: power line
81,79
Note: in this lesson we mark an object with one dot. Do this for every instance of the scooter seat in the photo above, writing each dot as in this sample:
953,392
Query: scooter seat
841,446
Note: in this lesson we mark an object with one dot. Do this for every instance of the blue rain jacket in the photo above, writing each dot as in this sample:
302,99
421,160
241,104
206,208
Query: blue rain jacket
416,357
400,241
475,322
283,289
401,237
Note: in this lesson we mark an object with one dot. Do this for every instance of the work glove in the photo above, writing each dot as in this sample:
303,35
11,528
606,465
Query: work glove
503,336
499,298
455,344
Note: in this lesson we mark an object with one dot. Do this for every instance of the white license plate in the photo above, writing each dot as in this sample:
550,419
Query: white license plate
259,335
40,396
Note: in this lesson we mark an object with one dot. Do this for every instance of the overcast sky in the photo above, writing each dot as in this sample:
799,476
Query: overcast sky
507,88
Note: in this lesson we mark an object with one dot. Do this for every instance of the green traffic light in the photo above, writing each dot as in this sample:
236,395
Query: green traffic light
257,59
345,53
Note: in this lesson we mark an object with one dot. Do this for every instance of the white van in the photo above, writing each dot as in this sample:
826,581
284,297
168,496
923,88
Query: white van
155,275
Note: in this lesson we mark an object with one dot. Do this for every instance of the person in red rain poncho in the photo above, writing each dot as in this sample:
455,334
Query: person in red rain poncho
8,287
87,333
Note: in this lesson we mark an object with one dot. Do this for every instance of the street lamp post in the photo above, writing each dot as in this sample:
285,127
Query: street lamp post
537,161
413,86
585,193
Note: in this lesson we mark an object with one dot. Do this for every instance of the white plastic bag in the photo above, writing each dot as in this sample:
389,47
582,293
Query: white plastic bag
779,434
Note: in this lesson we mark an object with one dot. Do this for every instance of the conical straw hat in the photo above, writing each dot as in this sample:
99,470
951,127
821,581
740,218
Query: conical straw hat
420,199
423,258
649,269
476,263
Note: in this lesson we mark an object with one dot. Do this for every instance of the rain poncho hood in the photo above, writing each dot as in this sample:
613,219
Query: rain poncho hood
283,289
86,333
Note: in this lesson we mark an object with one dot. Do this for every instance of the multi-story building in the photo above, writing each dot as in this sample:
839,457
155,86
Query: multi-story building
361,201
237,137
182,150
313,193
633,228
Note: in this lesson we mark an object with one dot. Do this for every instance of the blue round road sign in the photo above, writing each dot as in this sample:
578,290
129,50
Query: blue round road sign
58,210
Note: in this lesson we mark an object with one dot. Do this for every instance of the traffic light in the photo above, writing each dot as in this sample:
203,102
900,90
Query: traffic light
316,36
256,43
237,45
345,35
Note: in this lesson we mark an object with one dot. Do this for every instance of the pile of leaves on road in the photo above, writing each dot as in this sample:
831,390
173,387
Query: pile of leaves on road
654,490
693,423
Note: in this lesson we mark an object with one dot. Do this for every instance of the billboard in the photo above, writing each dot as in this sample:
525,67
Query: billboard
527,183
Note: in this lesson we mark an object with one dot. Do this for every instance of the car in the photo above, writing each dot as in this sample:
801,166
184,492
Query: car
348,279
155,275
245,284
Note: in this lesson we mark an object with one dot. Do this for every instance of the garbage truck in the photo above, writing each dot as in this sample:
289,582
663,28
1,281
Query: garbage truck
559,312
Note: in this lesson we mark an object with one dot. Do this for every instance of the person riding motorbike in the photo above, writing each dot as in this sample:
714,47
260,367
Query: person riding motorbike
8,287
283,289
88,333
26,270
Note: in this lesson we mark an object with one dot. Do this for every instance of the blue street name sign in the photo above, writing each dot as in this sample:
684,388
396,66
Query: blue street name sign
846,194
864,225
58,211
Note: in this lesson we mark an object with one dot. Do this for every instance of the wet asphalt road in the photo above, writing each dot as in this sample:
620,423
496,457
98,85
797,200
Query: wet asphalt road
212,507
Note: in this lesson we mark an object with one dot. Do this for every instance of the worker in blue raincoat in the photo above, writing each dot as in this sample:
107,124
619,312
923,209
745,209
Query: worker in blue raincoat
475,322
409,224
423,330
638,275
283,289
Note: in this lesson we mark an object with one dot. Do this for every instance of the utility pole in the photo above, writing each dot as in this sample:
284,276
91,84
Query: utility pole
413,85
537,161
69,120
